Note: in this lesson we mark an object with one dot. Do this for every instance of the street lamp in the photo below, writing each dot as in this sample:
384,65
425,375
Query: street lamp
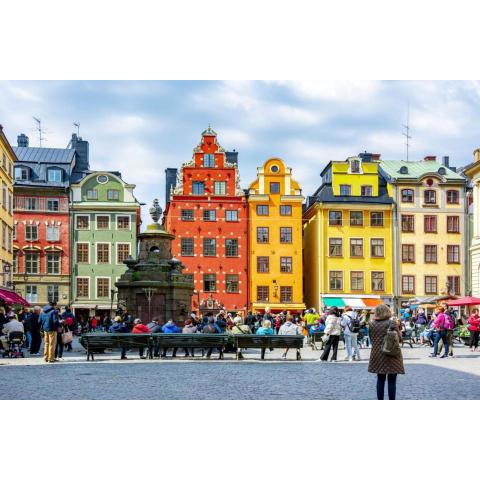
149,291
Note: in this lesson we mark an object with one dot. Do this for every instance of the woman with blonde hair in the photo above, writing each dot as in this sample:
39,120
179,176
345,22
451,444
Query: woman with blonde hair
240,329
387,365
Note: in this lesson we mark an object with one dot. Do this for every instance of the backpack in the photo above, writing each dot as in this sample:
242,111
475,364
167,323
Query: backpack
449,324
354,325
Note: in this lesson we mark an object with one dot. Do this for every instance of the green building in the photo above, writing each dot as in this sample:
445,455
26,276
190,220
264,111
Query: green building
105,218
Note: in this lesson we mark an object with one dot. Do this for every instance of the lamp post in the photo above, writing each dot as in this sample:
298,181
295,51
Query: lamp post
149,291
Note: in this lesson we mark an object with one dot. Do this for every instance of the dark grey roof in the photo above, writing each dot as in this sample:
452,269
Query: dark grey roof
44,155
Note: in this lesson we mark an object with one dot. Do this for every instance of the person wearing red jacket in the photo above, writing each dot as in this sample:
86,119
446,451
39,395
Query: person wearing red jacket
139,327
440,333
474,327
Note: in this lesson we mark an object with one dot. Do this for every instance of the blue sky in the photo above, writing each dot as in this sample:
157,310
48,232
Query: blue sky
140,128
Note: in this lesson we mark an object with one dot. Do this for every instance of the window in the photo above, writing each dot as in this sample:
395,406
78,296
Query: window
123,222
285,234
262,234
262,294
92,194
378,281
262,210
32,262
231,247
15,262
286,265
53,264
4,197
377,247
407,195
274,187
408,253
376,219
356,280
4,160
83,222
31,233
113,195
356,219
453,253
366,191
453,285
82,288
14,232
10,203
209,160
186,247
453,224
356,247
453,197
430,223
53,234
345,190
408,223
4,235
430,254
286,294
431,282
31,293
231,282
209,247
103,287
355,166
54,175
31,203
263,265
335,247
187,215
334,217
52,293
52,205
336,280
408,284
430,197
198,188
21,173
103,253
103,222
285,210
83,252
231,216
209,215
209,282
123,251
220,188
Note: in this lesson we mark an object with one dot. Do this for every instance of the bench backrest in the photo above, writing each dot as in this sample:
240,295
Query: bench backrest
189,340
269,341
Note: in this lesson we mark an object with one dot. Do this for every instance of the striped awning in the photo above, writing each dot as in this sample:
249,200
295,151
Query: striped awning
354,302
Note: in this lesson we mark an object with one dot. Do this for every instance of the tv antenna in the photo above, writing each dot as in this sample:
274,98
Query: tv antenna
39,130
406,132
77,125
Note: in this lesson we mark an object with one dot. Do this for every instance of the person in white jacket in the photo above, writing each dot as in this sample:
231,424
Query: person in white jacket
13,325
333,330
290,328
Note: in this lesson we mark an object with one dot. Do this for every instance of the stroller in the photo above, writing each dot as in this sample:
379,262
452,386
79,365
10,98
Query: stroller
16,341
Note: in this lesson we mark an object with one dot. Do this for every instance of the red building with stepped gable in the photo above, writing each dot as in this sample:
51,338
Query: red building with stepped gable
206,210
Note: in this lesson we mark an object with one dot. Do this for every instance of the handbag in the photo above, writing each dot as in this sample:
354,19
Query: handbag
67,337
391,343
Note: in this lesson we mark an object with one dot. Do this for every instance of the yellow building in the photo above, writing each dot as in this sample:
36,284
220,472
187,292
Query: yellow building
7,159
348,237
275,245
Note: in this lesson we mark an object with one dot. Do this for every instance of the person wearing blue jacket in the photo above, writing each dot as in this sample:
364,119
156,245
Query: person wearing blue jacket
118,326
170,327
49,324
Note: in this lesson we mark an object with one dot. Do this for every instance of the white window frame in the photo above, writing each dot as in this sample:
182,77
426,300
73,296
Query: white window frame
89,287
109,253
53,200
82,215
129,219
76,252
59,254
218,182
27,295
96,287
109,221
116,250
29,239
46,233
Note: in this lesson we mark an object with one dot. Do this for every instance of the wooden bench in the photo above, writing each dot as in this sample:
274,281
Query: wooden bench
189,340
93,342
409,338
268,341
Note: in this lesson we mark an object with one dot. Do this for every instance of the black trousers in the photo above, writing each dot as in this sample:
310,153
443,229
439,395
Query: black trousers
331,342
36,342
392,385
59,346
474,339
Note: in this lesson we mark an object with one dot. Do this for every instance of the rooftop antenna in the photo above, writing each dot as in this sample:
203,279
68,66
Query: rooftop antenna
406,133
77,125
39,130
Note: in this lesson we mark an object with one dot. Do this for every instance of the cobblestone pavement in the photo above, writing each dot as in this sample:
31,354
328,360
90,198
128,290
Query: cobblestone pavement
183,378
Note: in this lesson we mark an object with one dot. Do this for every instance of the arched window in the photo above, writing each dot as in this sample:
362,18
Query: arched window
407,195
430,197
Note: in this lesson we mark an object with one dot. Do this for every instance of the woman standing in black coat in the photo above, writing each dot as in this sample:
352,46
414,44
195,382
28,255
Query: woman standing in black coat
36,335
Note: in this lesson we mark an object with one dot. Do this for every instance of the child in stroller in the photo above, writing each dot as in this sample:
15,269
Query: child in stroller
13,344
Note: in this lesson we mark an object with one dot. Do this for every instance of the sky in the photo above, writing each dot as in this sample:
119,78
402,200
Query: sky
143,127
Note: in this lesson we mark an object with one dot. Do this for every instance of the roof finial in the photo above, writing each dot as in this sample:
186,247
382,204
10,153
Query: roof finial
156,211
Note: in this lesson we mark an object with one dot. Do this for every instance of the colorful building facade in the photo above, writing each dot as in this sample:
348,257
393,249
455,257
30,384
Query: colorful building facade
275,239
430,238
348,233
7,161
206,210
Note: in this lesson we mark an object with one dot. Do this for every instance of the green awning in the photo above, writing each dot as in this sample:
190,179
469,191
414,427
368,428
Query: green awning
334,302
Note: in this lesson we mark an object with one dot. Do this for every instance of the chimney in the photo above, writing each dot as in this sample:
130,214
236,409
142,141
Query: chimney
170,181
430,158
446,161
376,156
81,148
232,157
22,140
366,157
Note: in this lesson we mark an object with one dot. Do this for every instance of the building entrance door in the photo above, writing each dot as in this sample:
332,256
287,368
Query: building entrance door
155,311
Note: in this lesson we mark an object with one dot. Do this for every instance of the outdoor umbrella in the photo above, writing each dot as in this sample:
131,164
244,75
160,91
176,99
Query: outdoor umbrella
460,302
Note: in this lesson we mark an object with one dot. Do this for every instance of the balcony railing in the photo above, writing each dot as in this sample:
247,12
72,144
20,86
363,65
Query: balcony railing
40,204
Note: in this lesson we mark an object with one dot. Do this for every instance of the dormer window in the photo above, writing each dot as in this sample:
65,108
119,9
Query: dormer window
442,171
21,173
345,190
209,160
54,175
404,170
430,197
366,191
355,165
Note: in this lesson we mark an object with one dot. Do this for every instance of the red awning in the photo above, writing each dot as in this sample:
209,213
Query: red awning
10,298
460,302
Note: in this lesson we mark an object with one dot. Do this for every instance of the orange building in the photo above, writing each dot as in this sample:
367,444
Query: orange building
206,210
